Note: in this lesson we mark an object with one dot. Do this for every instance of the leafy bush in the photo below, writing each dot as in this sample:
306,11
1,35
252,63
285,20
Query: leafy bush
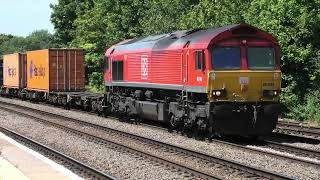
309,110
96,82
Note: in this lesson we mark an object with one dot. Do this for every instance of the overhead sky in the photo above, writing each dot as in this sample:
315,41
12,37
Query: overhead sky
21,17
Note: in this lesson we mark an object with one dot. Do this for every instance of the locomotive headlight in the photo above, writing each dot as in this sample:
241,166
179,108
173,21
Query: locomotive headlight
270,93
219,93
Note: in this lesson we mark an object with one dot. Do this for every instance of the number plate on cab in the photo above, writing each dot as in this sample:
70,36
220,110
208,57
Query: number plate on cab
267,84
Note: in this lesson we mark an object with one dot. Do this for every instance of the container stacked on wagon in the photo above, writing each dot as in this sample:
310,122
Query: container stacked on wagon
14,73
39,75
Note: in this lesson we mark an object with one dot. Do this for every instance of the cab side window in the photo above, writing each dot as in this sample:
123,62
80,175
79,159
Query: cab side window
106,64
117,70
200,60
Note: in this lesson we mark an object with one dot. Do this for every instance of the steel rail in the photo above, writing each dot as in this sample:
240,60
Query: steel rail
297,131
81,167
118,146
280,147
293,138
266,142
301,126
295,150
249,169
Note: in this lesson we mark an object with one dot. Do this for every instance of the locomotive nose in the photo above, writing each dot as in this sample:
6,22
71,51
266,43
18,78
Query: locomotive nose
252,86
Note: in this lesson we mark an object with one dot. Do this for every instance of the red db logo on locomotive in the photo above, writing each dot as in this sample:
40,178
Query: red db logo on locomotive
144,67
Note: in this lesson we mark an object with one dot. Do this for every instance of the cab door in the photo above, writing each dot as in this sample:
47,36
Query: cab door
199,67
184,66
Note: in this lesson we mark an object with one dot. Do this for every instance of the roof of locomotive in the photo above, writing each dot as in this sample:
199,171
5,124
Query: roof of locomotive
197,39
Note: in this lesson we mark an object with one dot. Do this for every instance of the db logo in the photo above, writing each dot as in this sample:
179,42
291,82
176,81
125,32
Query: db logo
144,67
244,80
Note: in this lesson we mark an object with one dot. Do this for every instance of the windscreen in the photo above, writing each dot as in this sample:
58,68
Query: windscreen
226,58
261,58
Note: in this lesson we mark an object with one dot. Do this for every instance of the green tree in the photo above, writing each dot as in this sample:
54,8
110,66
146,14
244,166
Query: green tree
296,24
214,13
63,16
106,23
163,16
3,39
40,39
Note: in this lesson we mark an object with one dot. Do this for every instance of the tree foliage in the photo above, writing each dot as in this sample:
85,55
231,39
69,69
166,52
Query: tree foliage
105,24
40,39
63,17
296,24
215,13
164,16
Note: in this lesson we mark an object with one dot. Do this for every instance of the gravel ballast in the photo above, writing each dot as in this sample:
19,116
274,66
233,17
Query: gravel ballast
162,152
261,161
120,164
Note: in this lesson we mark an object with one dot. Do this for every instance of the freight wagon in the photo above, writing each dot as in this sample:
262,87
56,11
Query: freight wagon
52,75
49,74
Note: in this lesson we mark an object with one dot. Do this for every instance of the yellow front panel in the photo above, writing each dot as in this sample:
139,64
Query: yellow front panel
243,85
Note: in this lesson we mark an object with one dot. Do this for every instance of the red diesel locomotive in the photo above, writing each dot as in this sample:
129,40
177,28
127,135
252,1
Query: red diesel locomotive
225,80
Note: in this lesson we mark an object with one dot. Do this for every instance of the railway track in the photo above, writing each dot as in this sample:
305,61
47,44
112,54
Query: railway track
298,151
195,164
292,138
78,167
271,143
267,143
296,129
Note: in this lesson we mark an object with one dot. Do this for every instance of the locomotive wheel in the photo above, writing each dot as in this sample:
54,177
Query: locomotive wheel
122,116
201,129
253,138
174,121
136,120
190,133
172,124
